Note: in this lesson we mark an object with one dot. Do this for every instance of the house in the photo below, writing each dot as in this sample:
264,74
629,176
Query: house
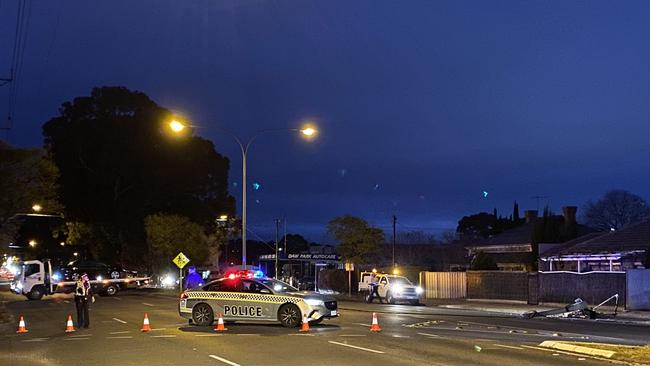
611,251
516,249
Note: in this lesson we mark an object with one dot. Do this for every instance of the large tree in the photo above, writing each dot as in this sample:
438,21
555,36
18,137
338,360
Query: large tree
357,241
118,164
617,209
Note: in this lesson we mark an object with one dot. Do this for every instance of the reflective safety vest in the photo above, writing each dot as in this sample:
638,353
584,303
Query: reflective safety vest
81,289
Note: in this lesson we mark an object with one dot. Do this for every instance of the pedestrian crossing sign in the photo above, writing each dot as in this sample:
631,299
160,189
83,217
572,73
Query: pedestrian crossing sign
181,260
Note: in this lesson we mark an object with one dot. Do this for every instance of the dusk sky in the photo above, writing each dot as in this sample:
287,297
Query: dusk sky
422,105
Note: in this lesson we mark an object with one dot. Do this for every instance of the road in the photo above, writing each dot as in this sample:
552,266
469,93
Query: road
410,336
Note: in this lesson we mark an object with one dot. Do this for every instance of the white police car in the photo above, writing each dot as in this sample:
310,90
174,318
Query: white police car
244,296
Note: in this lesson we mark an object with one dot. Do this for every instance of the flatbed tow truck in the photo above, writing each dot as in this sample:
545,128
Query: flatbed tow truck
37,279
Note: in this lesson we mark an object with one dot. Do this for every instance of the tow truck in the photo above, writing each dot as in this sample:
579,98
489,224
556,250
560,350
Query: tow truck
37,279
392,288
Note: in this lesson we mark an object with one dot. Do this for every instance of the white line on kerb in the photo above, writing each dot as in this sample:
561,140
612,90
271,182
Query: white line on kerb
146,303
224,360
506,346
119,320
356,347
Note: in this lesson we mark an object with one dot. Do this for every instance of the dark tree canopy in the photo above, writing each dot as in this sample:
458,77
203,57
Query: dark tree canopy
617,209
118,164
357,240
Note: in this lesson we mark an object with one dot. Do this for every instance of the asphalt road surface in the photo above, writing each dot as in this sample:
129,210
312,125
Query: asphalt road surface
410,336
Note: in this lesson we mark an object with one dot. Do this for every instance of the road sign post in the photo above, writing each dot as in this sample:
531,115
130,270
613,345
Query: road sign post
349,266
180,261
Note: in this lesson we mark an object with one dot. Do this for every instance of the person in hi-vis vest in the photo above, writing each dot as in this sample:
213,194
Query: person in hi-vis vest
82,298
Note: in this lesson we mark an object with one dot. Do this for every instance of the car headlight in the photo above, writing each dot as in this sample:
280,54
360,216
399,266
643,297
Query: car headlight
397,289
56,276
314,302
99,278
419,290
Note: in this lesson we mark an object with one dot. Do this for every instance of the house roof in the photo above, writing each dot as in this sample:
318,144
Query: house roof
524,234
631,238
560,248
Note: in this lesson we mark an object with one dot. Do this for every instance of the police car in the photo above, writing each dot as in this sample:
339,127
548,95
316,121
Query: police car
248,296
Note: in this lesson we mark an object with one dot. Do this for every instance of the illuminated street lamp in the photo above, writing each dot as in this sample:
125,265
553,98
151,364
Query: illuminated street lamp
32,243
308,131
223,218
37,207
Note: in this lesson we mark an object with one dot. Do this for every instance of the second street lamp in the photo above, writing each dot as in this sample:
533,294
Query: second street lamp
307,131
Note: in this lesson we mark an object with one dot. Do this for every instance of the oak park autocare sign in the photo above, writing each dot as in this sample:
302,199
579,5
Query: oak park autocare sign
181,260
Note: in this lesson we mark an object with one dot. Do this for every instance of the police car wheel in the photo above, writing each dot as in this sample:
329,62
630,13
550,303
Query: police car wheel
202,315
111,290
289,315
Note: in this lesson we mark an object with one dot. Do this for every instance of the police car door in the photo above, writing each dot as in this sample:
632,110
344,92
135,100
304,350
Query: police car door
259,300
383,286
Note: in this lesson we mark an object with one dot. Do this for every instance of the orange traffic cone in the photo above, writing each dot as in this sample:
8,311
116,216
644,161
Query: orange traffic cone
305,324
21,326
69,327
220,326
145,324
375,324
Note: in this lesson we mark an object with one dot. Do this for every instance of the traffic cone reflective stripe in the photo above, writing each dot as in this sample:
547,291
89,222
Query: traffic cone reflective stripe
145,324
305,324
21,326
69,327
220,325
375,324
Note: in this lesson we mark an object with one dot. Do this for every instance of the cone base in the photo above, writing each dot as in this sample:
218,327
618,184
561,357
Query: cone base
70,330
22,331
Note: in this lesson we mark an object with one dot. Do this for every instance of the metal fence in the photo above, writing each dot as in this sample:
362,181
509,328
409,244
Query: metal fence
444,285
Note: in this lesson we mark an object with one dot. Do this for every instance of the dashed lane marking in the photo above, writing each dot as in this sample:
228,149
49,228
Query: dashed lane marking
302,334
147,304
224,360
76,339
356,347
362,324
119,320
122,332
164,336
35,340
120,337
79,335
430,335
353,335
248,334
400,336
506,346
208,335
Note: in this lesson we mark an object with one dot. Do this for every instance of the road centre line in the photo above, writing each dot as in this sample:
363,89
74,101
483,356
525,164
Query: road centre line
119,320
80,335
208,335
353,335
120,337
224,360
76,339
506,346
122,332
147,304
164,336
356,347
35,340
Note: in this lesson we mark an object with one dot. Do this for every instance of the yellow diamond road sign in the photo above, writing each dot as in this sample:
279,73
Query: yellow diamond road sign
181,260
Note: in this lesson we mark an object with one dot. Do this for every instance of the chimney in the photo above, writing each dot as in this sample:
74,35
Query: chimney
569,215
530,215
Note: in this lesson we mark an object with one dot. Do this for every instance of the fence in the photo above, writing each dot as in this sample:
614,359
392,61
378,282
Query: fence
444,285
498,285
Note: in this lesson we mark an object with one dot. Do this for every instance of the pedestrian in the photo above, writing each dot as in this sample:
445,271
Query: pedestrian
83,296
374,289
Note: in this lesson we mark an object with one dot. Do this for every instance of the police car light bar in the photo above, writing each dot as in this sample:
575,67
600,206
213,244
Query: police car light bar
245,274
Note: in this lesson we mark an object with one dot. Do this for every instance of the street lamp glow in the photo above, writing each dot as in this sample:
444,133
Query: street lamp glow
37,207
32,243
223,218
62,243
177,126
309,132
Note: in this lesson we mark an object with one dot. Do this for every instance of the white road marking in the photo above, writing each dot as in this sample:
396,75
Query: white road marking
248,334
208,335
363,325
356,347
302,334
66,301
506,346
157,329
80,335
164,336
122,332
119,320
574,354
120,337
353,335
400,336
146,303
35,340
224,360
430,335
76,339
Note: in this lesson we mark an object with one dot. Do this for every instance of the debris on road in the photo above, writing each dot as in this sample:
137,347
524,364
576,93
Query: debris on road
578,309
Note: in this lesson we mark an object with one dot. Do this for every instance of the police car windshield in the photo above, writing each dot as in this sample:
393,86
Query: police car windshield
277,286
400,281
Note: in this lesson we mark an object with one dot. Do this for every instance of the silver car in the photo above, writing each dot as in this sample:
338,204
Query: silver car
240,298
